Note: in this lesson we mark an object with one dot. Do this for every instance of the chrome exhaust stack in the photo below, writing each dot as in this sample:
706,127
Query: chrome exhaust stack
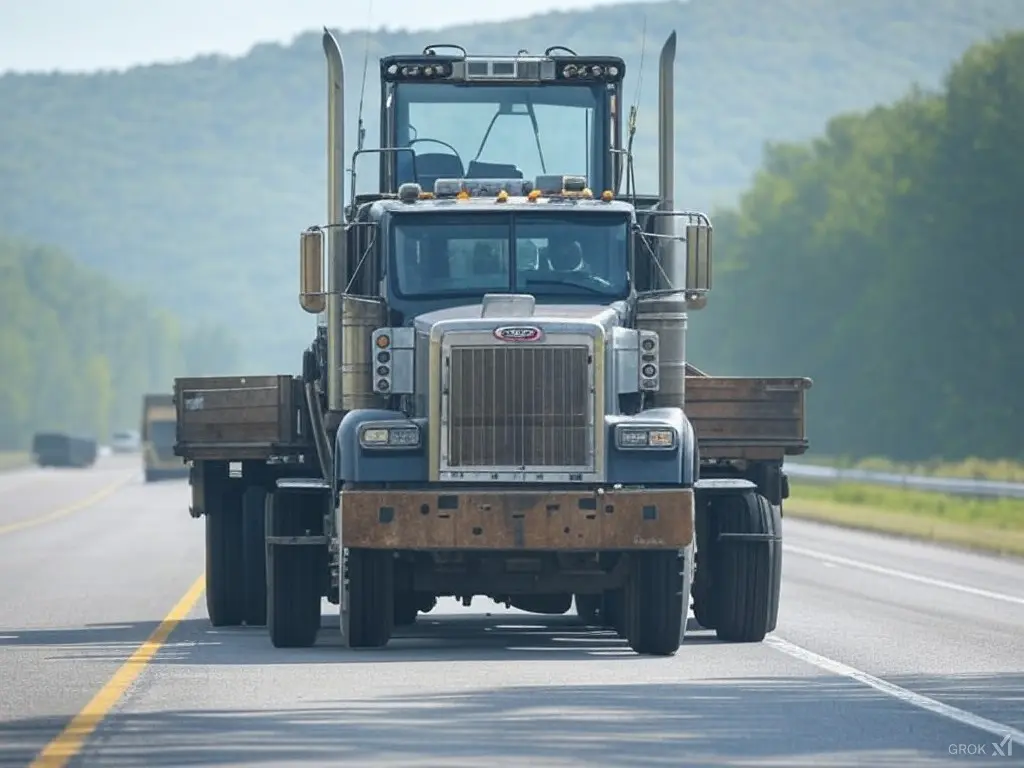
665,313
337,257
667,156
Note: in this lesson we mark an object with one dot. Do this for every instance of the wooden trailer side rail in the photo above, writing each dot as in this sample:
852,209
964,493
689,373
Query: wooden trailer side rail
235,418
741,417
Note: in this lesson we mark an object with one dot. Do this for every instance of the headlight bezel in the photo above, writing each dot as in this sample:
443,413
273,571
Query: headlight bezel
380,436
626,434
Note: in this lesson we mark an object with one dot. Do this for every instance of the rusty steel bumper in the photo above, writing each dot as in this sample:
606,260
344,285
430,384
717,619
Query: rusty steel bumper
512,519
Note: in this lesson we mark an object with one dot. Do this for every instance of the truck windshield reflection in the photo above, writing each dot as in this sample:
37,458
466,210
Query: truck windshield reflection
545,254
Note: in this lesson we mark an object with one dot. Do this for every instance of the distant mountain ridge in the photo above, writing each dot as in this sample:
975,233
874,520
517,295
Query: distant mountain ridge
193,180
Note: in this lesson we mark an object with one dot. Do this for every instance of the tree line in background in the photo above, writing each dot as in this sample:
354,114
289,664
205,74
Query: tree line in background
77,352
881,259
886,261
193,180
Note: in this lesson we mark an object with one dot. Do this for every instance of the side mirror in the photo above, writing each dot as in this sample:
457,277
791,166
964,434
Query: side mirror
311,271
698,258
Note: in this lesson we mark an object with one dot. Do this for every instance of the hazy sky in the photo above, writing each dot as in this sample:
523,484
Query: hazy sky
43,35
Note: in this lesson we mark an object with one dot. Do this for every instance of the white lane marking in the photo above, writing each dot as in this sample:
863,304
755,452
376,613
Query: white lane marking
837,560
902,694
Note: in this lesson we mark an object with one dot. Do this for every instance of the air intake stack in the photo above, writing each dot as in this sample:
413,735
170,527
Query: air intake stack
350,319
664,312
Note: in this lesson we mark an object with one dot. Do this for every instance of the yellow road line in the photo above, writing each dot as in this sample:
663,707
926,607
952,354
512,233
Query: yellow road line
71,740
65,511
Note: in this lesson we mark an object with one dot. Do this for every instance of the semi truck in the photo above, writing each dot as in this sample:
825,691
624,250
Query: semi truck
157,432
497,401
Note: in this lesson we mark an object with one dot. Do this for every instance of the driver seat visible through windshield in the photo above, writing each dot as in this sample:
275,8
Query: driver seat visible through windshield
432,166
478,170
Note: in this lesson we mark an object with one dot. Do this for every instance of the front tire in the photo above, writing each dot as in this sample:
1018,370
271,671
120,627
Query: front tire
656,601
368,599
254,555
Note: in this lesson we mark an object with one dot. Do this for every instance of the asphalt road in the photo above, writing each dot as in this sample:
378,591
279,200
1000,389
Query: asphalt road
888,653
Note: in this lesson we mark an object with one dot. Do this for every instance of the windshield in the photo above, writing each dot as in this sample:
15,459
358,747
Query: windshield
493,131
545,254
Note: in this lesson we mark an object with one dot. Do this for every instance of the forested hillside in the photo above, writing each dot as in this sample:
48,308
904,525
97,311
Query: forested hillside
193,181
884,259
77,352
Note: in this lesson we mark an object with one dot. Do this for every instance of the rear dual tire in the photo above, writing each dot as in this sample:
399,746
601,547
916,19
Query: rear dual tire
738,594
236,579
254,556
294,573
225,585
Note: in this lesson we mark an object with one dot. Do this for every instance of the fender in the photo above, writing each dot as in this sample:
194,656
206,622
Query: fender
651,467
355,464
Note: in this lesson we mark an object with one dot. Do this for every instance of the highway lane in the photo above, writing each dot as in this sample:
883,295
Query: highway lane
33,492
79,593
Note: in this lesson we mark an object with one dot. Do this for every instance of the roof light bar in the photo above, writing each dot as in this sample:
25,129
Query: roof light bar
531,68
557,184
416,68
523,68
593,70
447,188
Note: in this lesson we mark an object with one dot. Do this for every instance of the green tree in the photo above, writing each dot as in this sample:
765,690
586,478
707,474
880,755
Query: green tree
882,259
192,181
79,351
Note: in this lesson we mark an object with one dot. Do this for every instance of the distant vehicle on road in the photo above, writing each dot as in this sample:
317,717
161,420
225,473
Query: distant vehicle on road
125,441
56,449
159,431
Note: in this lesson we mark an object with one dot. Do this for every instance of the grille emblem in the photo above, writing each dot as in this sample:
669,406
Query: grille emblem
517,333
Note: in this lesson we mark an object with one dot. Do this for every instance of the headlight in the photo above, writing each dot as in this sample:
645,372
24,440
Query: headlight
390,437
657,438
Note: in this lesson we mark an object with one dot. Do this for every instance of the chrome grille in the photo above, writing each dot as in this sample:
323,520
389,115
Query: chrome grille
519,406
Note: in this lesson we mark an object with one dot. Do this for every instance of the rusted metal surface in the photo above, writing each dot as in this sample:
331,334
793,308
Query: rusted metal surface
510,520
236,417
747,417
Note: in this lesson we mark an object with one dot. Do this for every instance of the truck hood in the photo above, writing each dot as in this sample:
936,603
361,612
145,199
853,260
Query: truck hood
607,314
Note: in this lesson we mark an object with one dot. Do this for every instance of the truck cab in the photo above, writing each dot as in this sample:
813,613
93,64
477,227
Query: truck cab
550,262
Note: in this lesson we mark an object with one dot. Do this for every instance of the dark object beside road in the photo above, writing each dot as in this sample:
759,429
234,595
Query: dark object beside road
55,449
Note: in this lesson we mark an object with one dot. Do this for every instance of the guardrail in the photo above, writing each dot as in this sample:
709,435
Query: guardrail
957,486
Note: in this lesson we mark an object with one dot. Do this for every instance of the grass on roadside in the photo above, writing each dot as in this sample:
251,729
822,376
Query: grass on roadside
995,525
13,459
1005,470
